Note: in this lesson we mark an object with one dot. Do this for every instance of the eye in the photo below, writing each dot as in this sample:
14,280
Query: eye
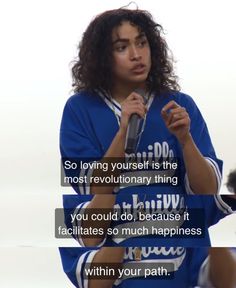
142,43
120,48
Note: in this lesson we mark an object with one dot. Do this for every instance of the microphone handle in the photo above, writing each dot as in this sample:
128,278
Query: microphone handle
133,131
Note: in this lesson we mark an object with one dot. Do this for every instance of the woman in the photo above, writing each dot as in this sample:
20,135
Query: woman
123,69
123,50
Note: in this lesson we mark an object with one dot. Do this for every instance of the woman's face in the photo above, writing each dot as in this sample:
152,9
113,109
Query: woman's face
131,55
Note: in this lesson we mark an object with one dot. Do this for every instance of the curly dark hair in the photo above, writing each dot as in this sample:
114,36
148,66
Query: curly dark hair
93,68
231,181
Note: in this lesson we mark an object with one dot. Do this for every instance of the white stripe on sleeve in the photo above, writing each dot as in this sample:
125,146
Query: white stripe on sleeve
223,206
77,223
87,257
218,175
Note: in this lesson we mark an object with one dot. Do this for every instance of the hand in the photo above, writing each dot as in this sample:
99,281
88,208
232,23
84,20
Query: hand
134,103
177,121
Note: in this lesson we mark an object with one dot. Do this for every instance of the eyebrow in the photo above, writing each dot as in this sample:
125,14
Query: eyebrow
141,35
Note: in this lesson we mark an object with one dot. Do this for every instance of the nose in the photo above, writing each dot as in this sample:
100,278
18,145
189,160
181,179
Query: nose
134,53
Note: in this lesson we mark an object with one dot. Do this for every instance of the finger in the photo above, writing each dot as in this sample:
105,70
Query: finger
167,117
140,110
178,116
174,111
174,114
168,110
135,101
135,109
134,105
135,96
179,109
170,105
178,123
164,115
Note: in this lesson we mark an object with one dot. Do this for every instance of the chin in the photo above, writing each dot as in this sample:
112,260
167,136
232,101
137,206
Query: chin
140,79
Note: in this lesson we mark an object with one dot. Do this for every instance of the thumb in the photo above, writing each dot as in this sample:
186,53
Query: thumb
164,115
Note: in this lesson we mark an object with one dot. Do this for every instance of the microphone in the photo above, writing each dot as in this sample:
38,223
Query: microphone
134,128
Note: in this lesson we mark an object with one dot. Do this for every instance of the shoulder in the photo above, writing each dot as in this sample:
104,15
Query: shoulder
78,106
83,98
187,102
180,98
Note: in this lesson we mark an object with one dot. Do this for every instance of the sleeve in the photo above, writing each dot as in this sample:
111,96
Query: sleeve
217,207
80,210
77,144
204,277
226,204
74,261
76,205
201,137
196,257
204,280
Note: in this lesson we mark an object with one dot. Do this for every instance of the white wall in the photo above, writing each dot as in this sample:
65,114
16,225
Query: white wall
38,39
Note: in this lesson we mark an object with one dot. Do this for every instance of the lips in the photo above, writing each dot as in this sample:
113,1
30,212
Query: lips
139,68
